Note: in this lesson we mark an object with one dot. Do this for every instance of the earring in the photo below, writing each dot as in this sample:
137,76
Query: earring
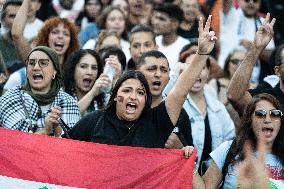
53,76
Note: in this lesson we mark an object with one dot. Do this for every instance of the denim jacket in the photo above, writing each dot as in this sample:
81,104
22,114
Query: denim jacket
221,125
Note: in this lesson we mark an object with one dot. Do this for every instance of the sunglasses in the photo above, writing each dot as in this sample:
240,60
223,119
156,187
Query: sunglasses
254,1
41,62
274,114
236,61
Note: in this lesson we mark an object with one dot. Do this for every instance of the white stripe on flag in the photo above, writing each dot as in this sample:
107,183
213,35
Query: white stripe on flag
14,183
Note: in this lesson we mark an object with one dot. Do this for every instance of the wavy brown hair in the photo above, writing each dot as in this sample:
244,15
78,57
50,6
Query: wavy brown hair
236,151
49,24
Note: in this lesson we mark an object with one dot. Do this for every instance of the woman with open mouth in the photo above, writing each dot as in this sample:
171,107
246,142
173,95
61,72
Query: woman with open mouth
56,33
129,119
262,124
83,79
42,104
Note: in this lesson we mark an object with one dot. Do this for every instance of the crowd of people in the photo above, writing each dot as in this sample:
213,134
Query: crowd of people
154,74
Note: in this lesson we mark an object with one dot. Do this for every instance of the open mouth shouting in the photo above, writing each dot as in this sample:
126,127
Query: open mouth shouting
131,107
267,132
59,47
156,85
37,77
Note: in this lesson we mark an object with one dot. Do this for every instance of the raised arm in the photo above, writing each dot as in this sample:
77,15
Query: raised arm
178,94
102,81
21,43
237,91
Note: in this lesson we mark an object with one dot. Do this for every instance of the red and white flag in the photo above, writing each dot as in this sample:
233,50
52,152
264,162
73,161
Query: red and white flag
30,161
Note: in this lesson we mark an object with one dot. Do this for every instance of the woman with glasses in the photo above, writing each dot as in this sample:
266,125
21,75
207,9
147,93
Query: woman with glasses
41,106
262,122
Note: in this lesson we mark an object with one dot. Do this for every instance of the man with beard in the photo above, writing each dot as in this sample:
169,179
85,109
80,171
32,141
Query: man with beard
155,67
237,91
165,21
238,27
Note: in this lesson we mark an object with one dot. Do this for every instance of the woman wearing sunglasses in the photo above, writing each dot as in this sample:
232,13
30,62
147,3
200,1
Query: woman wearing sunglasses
41,104
262,121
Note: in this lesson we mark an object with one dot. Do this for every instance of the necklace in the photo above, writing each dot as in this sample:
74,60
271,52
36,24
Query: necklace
129,126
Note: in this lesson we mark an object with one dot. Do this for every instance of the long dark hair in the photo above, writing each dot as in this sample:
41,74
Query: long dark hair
69,72
236,152
125,76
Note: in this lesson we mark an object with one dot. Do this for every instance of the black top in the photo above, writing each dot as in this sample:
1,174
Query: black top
264,87
191,34
184,129
150,130
207,149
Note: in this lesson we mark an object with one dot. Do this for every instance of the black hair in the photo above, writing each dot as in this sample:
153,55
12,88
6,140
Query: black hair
152,53
278,55
142,28
172,10
131,74
69,71
110,50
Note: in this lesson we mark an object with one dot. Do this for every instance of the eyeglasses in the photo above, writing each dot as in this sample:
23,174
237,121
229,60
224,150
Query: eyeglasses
236,61
254,1
274,114
41,62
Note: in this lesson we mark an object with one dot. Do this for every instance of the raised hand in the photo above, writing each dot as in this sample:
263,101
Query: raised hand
251,173
207,38
52,123
264,33
102,82
114,62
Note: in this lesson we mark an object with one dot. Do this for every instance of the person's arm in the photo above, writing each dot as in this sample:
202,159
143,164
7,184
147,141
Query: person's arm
237,91
102,81
21,43
178,94
210,180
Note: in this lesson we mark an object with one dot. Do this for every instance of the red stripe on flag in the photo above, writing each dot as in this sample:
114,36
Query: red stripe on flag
82,164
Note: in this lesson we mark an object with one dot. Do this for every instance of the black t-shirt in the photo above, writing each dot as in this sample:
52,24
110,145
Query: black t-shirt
150,130
184,129
191,34
265,87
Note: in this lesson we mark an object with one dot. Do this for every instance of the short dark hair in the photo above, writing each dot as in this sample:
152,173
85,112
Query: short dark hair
172,10
142,28
278,55
132,74
111,50
153,53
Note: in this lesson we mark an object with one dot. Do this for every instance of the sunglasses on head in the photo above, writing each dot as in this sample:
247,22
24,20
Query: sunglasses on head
41,62
274,114
236,61
254,1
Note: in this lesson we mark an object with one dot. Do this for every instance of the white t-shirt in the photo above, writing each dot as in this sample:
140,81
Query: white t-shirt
272,162
15,79
172,51
31,29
